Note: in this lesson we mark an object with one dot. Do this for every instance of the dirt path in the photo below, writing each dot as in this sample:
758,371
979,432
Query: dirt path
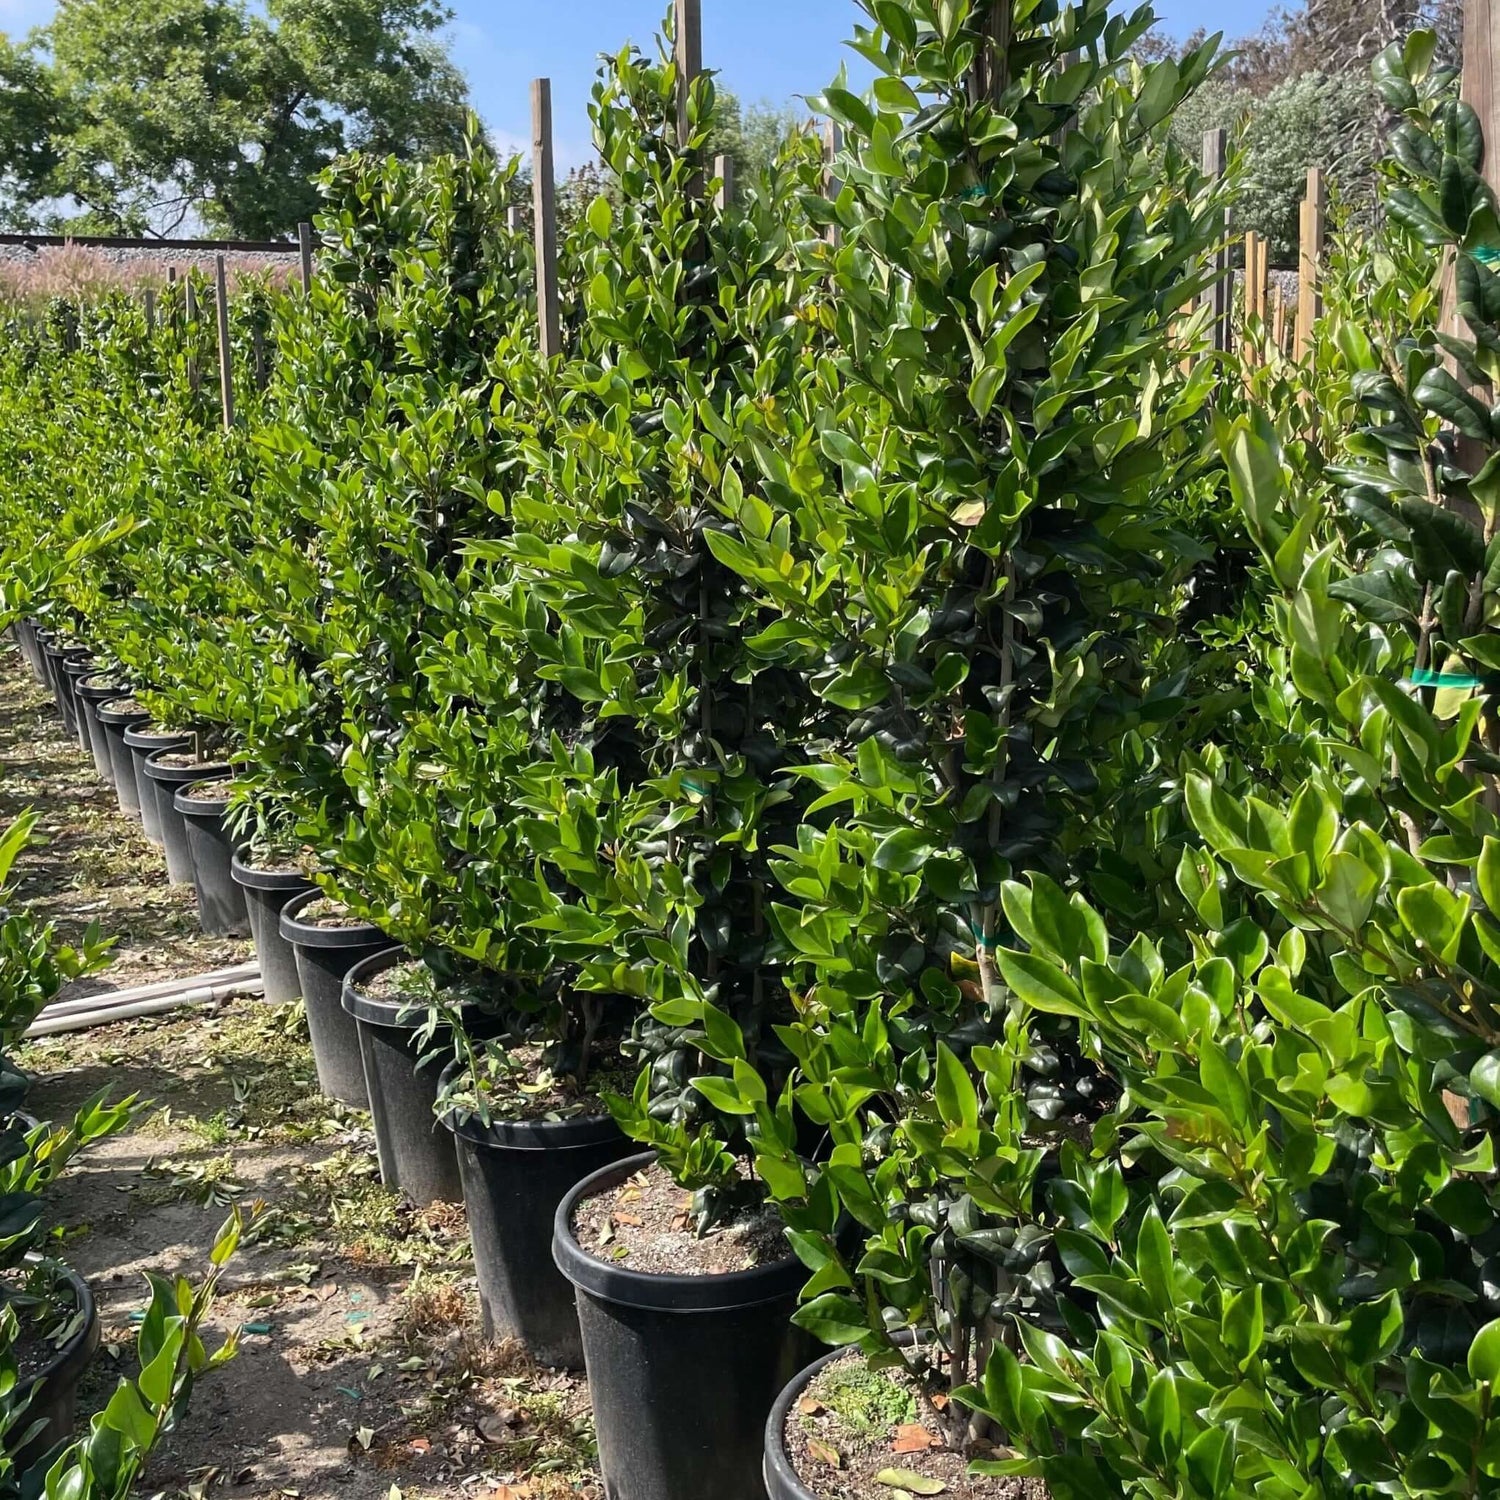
362,1375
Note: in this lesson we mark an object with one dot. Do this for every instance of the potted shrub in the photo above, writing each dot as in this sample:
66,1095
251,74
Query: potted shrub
682,750
271,869
327,941
964,544
56,1322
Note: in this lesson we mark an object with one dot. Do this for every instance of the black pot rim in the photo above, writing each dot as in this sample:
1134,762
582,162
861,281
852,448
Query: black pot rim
208,770
528,1135
97,693
266,880
200,807
373,1012
68,1363
138,737
781,1478
114,716
661,1291
306,935
84,667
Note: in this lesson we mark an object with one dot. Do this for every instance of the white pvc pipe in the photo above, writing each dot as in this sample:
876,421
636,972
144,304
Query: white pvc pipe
160,990
50,1024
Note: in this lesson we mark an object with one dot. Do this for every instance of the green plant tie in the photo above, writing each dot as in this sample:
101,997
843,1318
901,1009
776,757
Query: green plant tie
693,786
1426,677
1486,254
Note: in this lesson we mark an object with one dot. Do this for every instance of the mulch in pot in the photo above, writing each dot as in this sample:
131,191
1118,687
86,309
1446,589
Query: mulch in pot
646,1225
207,791
854,1432
187,758
326,912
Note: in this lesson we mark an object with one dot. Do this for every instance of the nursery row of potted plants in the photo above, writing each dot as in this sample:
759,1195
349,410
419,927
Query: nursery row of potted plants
659,1340
963,783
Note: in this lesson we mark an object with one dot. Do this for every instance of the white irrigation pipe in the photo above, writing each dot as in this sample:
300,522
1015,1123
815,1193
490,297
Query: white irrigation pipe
147,1000
162,988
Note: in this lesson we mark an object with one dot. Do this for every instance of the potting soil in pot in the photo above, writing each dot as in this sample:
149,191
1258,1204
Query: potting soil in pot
645,1224
860,1434
326,912
208,791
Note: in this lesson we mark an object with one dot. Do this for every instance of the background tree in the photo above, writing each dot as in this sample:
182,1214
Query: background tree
30,115
752,135
1310,119
149,117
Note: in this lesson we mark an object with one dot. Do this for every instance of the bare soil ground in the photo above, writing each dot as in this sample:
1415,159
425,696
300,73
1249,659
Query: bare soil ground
362,1374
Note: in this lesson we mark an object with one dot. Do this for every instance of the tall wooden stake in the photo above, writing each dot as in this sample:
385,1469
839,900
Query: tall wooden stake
833,143
191,315
544,206
689,57
305,246
724,173
1220,296
226,353
991,72
1313,225
148,297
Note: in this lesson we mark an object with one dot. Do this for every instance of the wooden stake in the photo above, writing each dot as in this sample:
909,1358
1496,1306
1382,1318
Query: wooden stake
544,204
172,297
724,172
226,353
513,219
1220,295
1278,321
149,298
191,315
833,143
991,72
305,245
689,57
1310,259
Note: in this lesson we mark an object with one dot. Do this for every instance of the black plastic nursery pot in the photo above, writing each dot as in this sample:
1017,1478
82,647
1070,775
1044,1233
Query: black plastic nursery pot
93,690
54,1398
514,1174
77,665
780,1477
221,899
141,740
266,892
417,1154
169,771
681,1369
55,652
45,675
324,956
25,634
115,717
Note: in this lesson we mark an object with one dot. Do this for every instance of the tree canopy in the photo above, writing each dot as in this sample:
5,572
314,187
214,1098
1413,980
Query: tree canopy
121,117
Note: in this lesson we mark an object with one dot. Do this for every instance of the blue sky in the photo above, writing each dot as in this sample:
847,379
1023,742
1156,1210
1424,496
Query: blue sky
764,49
